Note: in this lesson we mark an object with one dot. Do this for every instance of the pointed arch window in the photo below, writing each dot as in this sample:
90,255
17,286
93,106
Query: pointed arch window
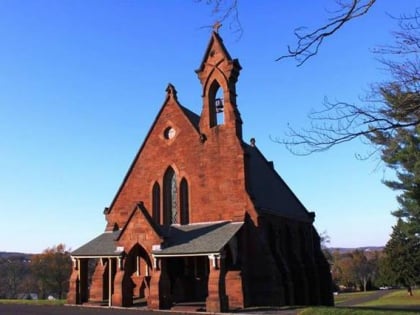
170,197
216,103
156,203
184,201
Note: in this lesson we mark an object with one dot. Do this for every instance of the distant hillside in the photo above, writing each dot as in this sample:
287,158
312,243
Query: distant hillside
344,250
14,255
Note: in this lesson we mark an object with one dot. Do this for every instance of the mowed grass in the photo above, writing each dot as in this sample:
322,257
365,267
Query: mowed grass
397,299
395,302
33,302
348,310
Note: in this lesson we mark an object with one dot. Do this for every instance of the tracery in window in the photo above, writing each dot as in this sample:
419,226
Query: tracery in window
170,197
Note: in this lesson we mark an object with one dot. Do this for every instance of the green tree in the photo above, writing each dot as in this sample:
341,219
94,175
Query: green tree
363,269
52,269
400,150
14,272
356,269
402,261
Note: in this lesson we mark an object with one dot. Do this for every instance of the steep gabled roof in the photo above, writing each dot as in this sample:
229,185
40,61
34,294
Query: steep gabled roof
145,214
269,192
193,118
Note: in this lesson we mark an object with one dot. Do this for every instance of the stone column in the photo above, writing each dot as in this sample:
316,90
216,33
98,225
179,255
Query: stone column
217,301
160,286
73,297
234,289
153,298
123,286
97,293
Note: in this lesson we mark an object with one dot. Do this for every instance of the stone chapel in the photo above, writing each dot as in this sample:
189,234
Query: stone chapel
202,217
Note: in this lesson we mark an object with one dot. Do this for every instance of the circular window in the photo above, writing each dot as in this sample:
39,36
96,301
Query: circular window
169,133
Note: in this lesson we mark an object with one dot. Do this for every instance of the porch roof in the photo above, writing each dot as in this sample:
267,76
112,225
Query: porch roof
103,245
197,239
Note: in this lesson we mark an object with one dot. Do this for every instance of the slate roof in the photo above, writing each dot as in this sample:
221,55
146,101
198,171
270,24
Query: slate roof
195,239
193,117
268,190
103,245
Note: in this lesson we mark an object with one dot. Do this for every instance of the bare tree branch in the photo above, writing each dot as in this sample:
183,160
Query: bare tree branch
308,43
341,122
225,11
391,107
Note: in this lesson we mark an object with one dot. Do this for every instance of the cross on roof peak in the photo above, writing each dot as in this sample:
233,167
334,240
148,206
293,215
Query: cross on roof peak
216,26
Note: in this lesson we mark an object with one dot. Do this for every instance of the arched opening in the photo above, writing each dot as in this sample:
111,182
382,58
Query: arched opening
156,203
137,275
184,202
216,103
170,193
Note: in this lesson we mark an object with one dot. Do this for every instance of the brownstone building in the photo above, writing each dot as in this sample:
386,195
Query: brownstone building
202,216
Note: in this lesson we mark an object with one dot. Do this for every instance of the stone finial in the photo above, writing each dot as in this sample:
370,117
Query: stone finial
171,91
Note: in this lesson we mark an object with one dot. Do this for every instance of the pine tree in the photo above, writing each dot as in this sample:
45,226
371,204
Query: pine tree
400,150
402,256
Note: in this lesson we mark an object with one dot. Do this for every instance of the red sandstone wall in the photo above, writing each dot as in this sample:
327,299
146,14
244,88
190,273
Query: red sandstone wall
214,170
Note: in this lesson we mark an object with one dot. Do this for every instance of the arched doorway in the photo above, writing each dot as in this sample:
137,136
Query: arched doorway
137,274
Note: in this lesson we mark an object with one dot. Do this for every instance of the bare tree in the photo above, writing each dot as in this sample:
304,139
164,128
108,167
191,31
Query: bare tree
225,11
339,122
308,41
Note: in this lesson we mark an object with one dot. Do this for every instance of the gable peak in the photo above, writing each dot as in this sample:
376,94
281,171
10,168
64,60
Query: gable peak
216,50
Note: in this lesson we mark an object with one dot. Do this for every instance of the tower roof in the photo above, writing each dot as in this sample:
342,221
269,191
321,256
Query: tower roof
215,50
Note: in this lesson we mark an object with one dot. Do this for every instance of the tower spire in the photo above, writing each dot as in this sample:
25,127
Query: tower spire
218,74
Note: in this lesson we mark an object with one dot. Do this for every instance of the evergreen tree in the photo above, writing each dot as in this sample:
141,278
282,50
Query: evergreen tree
402,261
400,150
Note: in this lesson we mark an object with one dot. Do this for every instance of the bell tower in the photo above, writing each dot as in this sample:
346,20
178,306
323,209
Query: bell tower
218,74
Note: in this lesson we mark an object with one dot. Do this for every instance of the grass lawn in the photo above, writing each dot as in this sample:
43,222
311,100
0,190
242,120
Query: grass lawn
33,302
397,299
348,310
395,303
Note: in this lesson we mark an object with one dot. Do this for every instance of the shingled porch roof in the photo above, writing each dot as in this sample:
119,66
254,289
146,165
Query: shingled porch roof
197,239
104,245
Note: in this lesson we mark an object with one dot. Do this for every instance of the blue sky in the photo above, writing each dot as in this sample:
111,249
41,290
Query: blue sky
81,83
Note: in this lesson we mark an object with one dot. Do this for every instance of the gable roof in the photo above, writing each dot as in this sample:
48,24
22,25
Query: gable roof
193,118
198,239
269,191
145,214
104,245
